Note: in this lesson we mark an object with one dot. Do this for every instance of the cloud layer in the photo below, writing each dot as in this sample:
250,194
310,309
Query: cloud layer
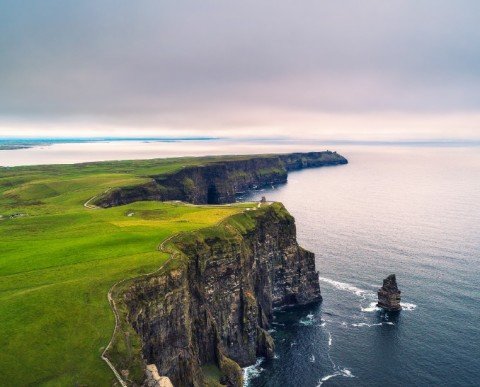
238,66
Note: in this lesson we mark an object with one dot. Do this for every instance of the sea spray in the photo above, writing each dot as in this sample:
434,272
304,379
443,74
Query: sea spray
252,371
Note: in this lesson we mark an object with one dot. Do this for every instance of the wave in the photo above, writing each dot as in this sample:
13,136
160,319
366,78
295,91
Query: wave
372,325
252,372
372,307
340,372
408,306
308,320
364,294
346,287
366,325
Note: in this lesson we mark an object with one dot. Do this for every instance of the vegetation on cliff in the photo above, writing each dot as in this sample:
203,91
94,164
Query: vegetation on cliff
58,260
60,255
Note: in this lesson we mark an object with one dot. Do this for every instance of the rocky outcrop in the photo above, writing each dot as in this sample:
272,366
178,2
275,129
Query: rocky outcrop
389,295
153,379
212,306
219,182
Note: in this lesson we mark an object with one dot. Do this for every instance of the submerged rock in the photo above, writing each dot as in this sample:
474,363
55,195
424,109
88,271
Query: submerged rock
389,295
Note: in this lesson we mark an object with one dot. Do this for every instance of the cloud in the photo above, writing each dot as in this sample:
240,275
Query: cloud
190,65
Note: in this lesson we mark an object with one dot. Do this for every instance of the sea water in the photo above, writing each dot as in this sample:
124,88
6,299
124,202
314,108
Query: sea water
414,212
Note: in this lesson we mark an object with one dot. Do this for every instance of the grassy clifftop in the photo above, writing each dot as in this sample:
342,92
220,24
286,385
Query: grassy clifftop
59,256
58,260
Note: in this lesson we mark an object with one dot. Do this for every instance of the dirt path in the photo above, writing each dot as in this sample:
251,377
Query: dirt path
160,247
91,206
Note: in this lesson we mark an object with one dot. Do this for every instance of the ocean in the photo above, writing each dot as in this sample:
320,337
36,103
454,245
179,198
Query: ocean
412,211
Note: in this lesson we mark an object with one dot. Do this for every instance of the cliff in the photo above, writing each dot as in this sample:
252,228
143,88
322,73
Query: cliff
218,182
207,312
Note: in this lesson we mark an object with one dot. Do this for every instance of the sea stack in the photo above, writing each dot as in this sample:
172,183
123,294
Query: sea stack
389,295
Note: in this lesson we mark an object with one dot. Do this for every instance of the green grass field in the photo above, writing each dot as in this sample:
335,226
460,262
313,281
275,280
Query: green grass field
58,260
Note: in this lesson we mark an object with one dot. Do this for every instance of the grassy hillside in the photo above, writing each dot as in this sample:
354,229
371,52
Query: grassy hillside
58,260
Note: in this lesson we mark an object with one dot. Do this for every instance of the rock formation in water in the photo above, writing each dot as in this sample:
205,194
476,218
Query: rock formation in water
219,182
389,295
207,314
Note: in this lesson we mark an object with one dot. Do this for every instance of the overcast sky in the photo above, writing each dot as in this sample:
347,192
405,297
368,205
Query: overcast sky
320,69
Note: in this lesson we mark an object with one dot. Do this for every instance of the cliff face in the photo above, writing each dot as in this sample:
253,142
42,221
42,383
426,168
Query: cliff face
213,305
218,182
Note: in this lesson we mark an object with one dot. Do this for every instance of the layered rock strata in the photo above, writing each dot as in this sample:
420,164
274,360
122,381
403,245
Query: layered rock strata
219,182
212,306
389,295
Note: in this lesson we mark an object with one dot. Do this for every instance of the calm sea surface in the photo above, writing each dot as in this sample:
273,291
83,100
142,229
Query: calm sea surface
414,212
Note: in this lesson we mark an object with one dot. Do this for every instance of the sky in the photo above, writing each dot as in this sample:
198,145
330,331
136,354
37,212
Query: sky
339,69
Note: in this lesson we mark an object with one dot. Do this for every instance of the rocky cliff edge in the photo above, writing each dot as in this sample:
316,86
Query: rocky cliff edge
207,313
218,182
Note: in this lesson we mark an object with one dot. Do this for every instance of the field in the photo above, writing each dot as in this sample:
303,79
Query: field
58,259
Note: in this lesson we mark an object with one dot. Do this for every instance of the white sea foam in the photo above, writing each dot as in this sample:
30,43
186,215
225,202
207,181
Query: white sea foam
364,294
347,373
372,307
252,372
408,306
308,320
365,325
312,359
372,325
330,339
325,378
340,372
346,287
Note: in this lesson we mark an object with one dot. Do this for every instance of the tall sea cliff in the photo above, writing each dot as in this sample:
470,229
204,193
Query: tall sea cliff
207,313
219,182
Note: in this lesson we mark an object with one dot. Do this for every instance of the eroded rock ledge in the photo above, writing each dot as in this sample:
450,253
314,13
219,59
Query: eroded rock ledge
208,313
218,182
